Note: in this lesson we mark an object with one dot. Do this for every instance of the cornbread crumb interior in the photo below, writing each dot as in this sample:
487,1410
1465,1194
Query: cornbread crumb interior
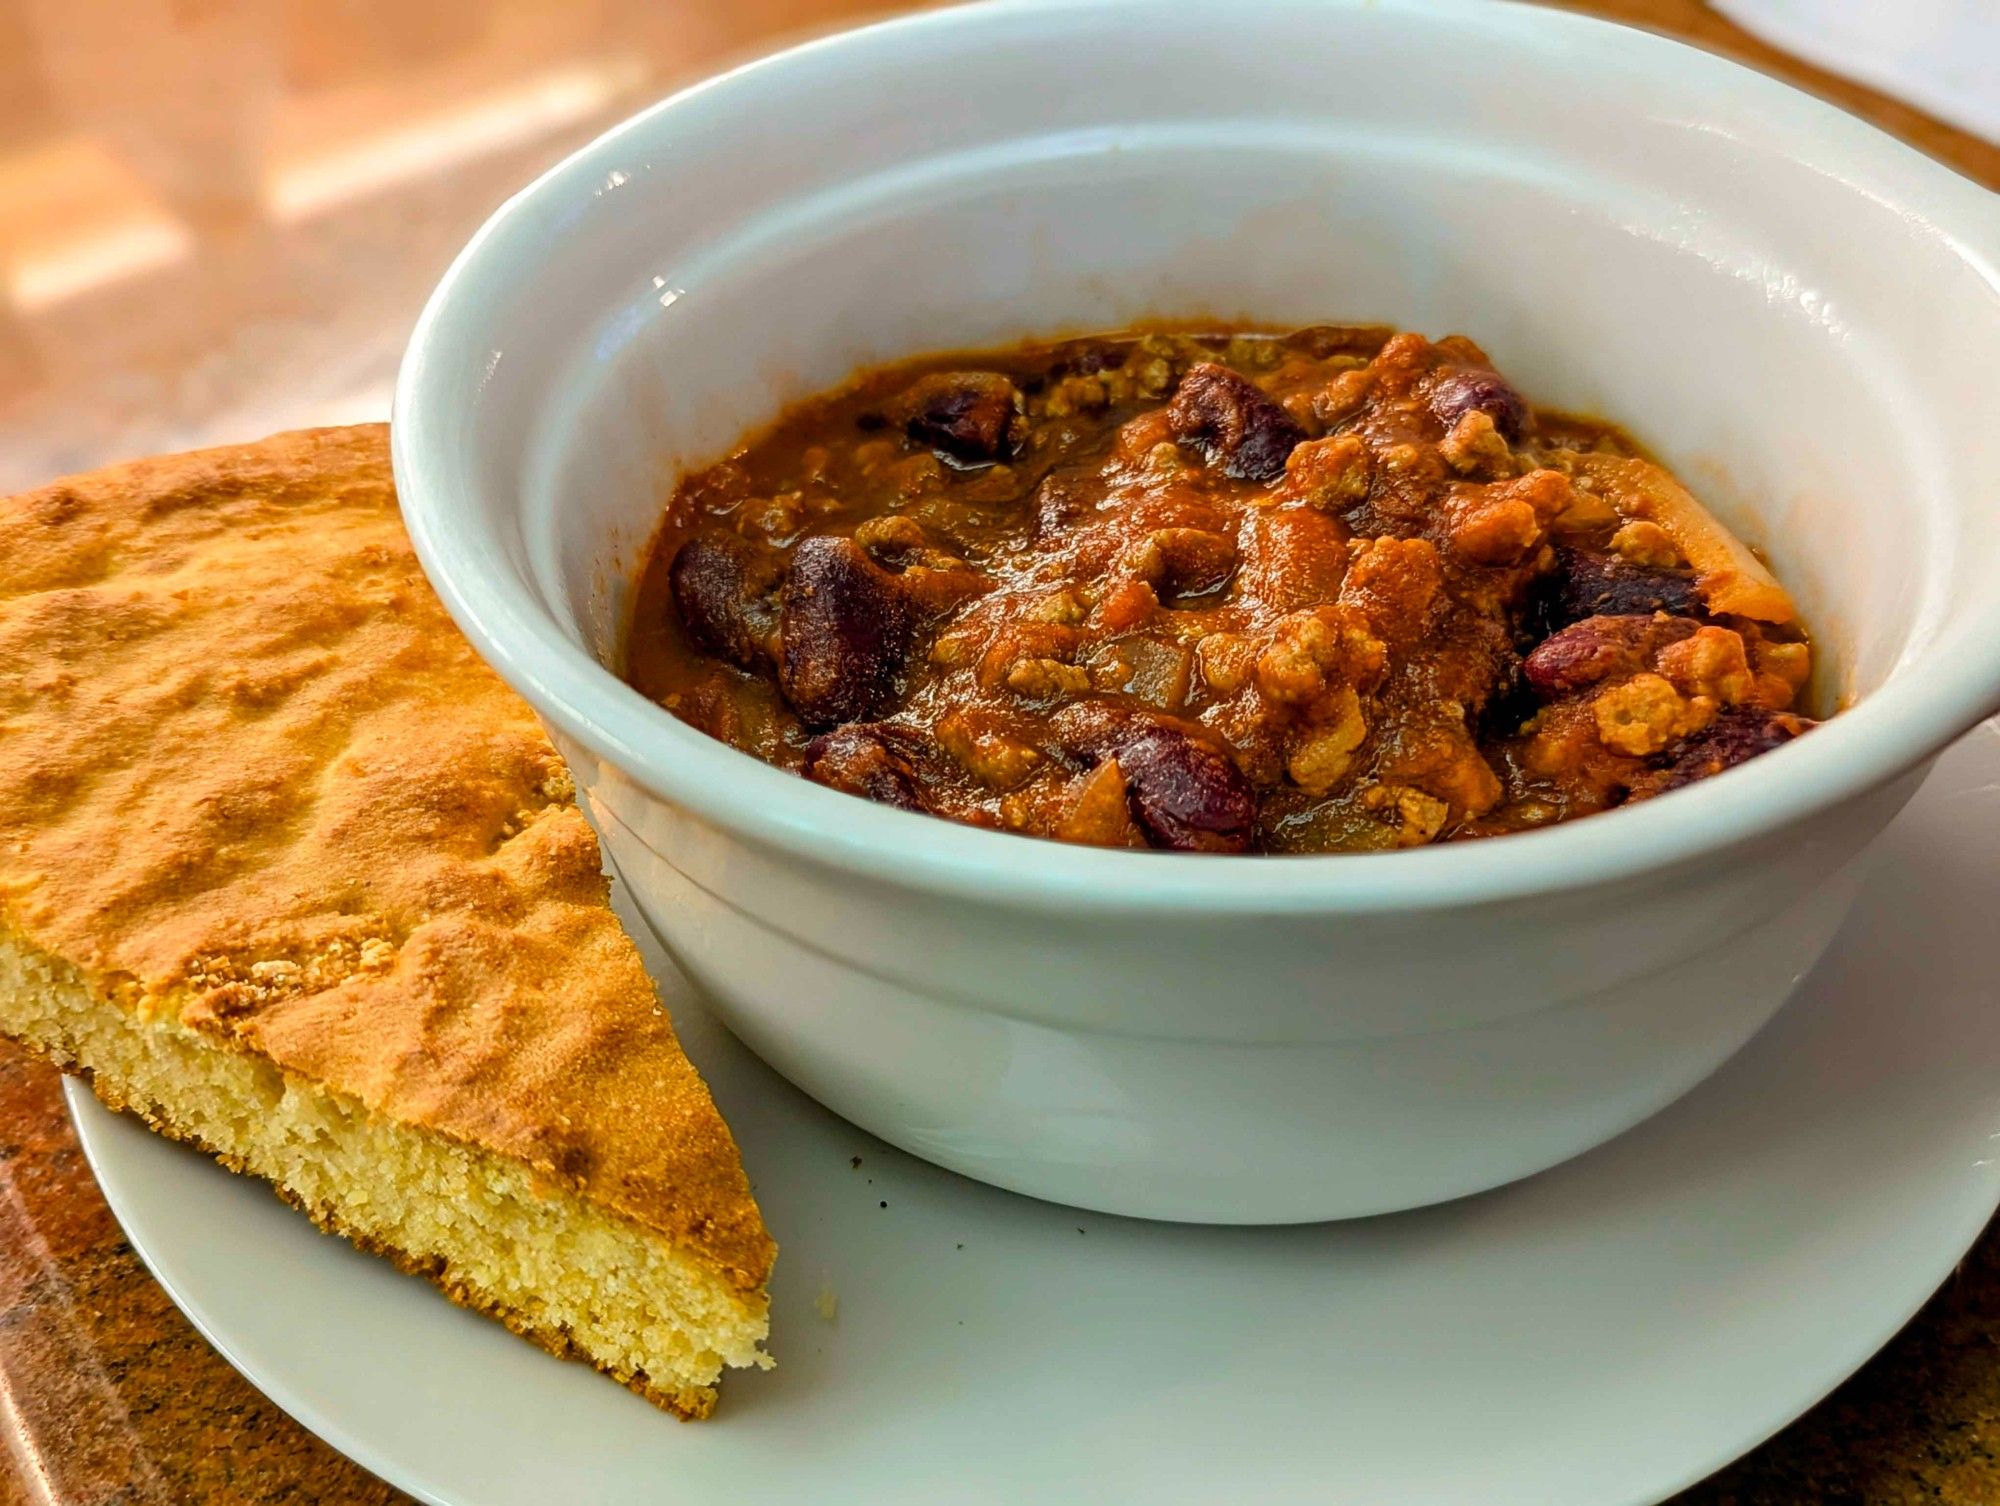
288,872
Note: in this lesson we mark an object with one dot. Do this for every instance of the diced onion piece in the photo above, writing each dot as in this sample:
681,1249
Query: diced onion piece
1730,578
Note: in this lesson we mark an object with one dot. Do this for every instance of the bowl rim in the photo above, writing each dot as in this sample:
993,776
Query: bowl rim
1922,706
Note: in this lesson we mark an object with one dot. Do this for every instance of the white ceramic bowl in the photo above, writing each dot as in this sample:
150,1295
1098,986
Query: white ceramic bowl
1799,313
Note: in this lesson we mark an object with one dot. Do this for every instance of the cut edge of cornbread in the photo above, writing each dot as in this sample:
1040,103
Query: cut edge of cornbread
293,876
484,1228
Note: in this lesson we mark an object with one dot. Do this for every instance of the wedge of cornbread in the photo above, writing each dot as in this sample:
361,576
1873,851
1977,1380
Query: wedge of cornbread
289,873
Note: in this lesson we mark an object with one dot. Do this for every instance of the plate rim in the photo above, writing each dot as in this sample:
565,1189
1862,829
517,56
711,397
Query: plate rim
91,1117
1965,1197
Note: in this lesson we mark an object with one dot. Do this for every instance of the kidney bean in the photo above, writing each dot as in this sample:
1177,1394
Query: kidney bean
1184,791
1186,794
1459,390
1598,648
1734,737
1591,583
844,633
967,417
726,590
1232,423
870,760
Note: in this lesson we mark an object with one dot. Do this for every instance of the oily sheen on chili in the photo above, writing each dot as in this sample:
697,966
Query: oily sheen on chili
1334,590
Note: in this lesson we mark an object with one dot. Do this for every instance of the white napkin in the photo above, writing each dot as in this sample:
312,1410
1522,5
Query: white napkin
1941,55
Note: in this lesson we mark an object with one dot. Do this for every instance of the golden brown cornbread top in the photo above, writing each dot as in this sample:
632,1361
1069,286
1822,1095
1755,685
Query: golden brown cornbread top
252,775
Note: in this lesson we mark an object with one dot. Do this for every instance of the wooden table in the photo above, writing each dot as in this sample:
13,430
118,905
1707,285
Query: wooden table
218,218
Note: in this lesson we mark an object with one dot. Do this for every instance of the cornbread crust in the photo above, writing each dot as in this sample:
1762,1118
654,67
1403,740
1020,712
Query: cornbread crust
255,784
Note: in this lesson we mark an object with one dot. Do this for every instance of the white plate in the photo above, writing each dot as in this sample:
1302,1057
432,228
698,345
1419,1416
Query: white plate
1605,1333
